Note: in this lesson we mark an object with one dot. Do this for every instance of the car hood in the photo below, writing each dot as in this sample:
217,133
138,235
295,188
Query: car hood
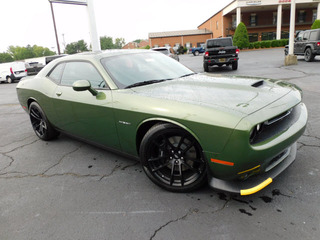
244,95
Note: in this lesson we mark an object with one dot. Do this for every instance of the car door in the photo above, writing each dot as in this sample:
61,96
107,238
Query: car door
298,43
81,113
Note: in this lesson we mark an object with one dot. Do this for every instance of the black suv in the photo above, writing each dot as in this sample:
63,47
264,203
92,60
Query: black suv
219,52
307,43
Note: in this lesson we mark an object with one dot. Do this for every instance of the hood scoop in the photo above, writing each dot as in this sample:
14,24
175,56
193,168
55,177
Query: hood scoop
258,84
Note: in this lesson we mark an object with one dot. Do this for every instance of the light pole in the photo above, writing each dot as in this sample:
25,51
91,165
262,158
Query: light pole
55,28
91,18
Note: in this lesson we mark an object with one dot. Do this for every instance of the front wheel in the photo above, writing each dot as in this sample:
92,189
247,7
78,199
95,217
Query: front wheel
196,53
172,158
9,80
308,55
40,123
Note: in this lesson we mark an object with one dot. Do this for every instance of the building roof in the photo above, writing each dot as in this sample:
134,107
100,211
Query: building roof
179,33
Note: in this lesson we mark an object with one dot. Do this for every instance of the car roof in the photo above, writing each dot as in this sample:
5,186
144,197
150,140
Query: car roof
101,54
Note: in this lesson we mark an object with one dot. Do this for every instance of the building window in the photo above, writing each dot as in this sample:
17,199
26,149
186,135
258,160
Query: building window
302,16
284,35
314,15
253,19
253,37
234,21
217,25
167,45
268,36
188,45
274,18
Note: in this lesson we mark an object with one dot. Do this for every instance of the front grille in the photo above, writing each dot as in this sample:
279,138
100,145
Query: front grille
275,126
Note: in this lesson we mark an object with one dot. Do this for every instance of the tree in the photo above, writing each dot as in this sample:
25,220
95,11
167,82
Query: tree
120,42
21,53
241,37
106,43
316,24
5,57
76,47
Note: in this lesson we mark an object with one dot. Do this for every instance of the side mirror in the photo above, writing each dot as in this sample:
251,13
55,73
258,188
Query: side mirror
84,85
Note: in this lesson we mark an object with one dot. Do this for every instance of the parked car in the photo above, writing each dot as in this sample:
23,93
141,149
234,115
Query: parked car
33,68
219,52
167,51
238,133
9,72
307,44
197,50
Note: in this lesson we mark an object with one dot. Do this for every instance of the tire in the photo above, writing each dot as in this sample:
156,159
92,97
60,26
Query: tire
40,123
9,80
235,65
196,53
286,51
308,55
173,159
205,67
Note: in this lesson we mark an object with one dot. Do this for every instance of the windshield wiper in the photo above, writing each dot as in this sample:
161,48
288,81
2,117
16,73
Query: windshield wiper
146,83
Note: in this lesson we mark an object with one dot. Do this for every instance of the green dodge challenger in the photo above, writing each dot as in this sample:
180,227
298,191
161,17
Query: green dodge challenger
236,133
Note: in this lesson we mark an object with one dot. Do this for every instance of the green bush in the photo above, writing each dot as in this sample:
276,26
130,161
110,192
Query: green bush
241,38
316,24
251,46
268,44
257,45
275,43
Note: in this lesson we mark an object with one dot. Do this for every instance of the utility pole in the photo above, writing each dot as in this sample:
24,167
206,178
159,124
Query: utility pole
55,29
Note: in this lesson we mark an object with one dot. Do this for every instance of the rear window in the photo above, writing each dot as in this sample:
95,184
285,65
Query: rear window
223,42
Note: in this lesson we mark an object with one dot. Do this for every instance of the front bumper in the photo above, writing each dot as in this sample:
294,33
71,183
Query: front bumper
257,182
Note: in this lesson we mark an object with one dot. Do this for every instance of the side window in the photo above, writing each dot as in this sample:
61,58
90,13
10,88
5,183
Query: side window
299,37
75,71
306,35
314,36
55,74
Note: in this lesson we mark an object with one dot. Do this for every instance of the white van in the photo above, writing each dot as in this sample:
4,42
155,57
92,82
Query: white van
9,72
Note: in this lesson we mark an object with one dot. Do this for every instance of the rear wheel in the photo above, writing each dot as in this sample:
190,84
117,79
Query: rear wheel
308,55
40,123
196,53
235,65
206,67
172,158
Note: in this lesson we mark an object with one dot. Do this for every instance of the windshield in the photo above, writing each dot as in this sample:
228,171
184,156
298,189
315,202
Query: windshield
129,69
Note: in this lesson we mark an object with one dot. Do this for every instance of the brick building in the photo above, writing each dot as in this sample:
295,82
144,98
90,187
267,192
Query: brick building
264,19
187,38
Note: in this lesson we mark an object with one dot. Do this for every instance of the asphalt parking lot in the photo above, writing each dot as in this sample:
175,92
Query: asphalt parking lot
66,189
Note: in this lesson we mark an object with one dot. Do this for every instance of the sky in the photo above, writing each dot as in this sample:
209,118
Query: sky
24,22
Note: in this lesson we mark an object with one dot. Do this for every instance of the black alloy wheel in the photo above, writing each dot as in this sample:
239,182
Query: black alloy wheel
173,159
40,123
308,55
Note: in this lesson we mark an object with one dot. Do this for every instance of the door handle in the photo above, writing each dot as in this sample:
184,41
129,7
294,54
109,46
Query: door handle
58,94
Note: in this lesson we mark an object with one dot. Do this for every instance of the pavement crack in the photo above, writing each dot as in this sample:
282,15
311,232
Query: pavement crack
27,175
191,211
60,160
22,146
112,171
130,165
